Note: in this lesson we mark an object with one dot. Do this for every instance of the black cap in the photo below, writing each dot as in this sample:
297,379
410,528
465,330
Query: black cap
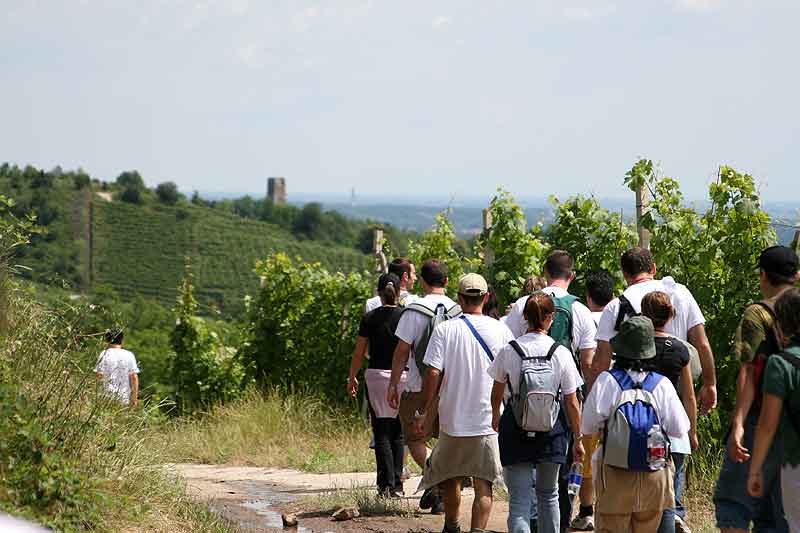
780,260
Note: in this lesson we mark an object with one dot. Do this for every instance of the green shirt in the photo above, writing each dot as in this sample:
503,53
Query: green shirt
752,332
782,379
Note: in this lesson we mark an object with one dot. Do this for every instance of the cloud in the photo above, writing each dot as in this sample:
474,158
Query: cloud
311,12
700,5
440,22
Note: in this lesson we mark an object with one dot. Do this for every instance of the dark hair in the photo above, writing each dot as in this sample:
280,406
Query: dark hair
600,287
388,287
434,273
787,310
114,336
471,300
532,284
400,266
637,260
538,307
776,280
639,365
559,265
657,306
490,307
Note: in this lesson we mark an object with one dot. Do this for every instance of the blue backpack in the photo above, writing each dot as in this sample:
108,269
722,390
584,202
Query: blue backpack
632,424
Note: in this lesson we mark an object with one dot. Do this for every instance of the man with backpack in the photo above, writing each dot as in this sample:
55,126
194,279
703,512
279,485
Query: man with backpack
637,410
457,359
403,269
573,328
414,330
756,340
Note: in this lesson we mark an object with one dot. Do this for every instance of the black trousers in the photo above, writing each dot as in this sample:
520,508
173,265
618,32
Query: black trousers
388,452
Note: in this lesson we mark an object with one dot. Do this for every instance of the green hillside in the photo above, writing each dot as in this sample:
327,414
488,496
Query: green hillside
141,249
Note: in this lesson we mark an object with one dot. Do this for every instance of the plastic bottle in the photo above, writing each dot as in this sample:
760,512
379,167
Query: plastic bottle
656,448
575,479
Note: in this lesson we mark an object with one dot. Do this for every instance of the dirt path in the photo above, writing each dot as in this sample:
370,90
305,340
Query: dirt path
254,498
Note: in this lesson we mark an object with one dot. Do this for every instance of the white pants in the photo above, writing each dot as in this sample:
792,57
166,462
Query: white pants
790,492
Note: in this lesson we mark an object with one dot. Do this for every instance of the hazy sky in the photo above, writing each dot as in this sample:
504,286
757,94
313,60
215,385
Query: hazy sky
436,97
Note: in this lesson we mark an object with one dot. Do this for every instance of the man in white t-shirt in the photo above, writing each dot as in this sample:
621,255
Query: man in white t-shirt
559,271
403,269
118,370
459,354
411,330
639,270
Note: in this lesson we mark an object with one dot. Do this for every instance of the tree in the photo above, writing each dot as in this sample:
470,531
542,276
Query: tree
130,179
167,193
81,180
309,222
132,195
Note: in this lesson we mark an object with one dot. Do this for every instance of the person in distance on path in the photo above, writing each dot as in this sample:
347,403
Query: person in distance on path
118,370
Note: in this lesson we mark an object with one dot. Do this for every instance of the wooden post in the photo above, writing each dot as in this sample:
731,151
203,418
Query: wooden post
796,242
488,253
4,304
641,208
381,266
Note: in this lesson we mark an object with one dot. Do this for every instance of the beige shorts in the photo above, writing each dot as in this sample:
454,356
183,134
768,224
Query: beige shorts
590,443
410,403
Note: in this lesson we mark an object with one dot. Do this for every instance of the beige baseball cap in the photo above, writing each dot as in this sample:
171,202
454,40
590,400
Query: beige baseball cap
472,285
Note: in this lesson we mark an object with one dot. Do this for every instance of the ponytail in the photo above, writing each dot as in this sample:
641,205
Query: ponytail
389,289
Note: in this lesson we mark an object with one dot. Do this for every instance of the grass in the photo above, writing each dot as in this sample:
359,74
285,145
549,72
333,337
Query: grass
281,430
362,498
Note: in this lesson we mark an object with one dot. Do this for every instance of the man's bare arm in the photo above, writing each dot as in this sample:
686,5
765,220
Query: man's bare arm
399,362
134,380
708,391
587,357
601,361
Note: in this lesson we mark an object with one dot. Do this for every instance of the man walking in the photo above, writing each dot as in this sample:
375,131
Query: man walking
118,370
413,333
403,269
459,354
756,340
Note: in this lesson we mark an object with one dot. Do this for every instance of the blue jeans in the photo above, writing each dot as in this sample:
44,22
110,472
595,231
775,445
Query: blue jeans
668,518
519,479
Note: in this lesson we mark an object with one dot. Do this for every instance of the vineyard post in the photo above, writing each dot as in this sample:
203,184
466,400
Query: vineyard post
488,253
641,206
796,241
4,306
381,266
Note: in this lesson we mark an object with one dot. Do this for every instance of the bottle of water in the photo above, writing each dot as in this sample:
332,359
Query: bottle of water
656,448
575,479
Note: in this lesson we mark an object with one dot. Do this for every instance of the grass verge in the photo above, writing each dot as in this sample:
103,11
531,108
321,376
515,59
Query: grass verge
362,498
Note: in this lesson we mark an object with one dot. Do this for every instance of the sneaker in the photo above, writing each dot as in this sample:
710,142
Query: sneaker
438,507
534,526
397,493
456,529
583,523
681,526
466,483
428,499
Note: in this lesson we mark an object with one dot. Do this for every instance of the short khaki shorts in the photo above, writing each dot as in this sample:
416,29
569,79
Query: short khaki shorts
410,403
590,443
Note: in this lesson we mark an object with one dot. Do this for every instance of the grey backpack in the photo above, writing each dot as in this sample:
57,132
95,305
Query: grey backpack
435,317
536,404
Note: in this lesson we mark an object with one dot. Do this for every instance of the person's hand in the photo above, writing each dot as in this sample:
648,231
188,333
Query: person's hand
392,398
755,483
736,449
419,425
578,451
693,440
707,399
496,422
352,386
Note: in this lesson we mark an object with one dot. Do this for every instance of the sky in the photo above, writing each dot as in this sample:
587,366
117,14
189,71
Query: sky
450,98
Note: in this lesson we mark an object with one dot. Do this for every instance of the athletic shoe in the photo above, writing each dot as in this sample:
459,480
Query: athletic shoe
583,523
438,507
681,526
428,499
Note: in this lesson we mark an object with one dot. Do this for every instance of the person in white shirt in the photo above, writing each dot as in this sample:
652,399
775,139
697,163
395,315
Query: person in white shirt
521,453
458,356
403,269
118,370
629,500
410,331
639,270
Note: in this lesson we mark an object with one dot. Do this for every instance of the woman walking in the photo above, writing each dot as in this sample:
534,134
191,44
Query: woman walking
522,451
376,337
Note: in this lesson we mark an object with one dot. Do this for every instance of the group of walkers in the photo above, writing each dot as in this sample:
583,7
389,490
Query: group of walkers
558,390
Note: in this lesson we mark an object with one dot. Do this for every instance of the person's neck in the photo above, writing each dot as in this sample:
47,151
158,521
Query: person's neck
436,291
641,278
537,331
661,333
594,308
771,291
473,311
558,283
115,346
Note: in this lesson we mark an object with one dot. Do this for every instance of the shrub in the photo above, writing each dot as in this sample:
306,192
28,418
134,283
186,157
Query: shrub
167,193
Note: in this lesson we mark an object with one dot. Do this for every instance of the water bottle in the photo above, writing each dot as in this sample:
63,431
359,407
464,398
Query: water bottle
656,448
575,479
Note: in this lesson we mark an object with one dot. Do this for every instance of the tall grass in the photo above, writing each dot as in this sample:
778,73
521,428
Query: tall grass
282,429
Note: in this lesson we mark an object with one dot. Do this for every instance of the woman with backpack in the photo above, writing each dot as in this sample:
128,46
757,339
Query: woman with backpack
376,337
539,381
780,410
638,411
672,361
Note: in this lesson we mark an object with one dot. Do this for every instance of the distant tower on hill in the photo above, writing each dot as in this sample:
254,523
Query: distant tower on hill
276,190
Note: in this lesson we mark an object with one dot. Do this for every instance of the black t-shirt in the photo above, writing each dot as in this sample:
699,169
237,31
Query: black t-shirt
671,356
378,327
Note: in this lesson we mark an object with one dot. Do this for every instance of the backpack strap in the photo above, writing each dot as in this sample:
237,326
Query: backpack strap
518,349
420,308
454,312
792,356
552,351
651,381
478,337
625,310
623,379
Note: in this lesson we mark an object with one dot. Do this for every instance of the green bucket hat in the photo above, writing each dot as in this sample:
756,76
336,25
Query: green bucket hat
636,339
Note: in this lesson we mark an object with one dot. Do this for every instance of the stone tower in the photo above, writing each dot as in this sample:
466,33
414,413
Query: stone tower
276,190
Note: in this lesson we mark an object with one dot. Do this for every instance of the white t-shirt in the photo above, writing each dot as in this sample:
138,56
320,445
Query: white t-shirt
507,365
116,365
465,397
375,302
606,392
411,328
687,312
596,317
584,330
